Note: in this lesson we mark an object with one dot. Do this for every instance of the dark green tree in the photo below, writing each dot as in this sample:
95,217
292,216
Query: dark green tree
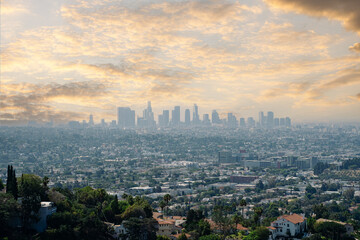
31,191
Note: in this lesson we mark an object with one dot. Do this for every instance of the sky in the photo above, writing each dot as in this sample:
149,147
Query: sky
62,60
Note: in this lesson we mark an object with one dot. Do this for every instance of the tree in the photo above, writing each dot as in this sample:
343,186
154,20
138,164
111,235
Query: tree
203,228
162,205
8,208
310,189
320,167
140,228
330,230
349,194
260,185
261,233
31,191
321,211
167,198
1,185
162,237
258,212
11,182
210,237
182,237
242,205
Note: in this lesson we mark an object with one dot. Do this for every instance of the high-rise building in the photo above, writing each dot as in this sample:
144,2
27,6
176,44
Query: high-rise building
91,120
276,122
164,119
206,119
175,115
231,121
147,120
125,117
250,122
166,116
215,117
261,119
196,118
287,122
282,122
242,122
270,119
187,116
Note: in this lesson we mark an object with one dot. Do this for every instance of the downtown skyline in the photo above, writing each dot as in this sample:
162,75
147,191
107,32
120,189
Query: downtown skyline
61,60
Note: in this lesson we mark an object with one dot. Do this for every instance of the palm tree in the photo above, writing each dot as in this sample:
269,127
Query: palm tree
167,198
242,205
162,205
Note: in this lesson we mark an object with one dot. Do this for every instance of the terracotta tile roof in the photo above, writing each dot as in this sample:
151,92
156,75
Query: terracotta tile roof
157,215
241,227
186,234
271,227
294,218
163,222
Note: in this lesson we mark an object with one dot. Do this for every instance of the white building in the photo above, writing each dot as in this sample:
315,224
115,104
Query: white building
287,226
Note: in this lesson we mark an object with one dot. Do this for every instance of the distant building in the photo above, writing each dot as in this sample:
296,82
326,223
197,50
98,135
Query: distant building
261,119
242,179
164,119
215,119
147,120
187,117
175,116
196,118
250,122
276,122
270,119
125,117
242,122
206,119
91,120
231,121
287,122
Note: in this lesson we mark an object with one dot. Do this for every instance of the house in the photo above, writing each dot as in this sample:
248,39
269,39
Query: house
167,227
287,226
46,209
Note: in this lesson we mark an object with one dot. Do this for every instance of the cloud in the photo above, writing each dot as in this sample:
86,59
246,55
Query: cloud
355,47
316,91
9,8
346,11
26,102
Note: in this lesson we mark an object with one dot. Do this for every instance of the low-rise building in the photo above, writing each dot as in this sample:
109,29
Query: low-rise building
287,226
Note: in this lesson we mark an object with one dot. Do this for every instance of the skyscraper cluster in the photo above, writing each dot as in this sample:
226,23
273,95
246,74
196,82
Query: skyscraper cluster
126,118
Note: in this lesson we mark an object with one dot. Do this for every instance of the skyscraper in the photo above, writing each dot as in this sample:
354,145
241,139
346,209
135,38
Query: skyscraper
147,121
231,121
242,122
175,116
206,119
196,118
125,117
270,119
261,119
187,116
91,120
287,122
250,122
164,119
215,117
